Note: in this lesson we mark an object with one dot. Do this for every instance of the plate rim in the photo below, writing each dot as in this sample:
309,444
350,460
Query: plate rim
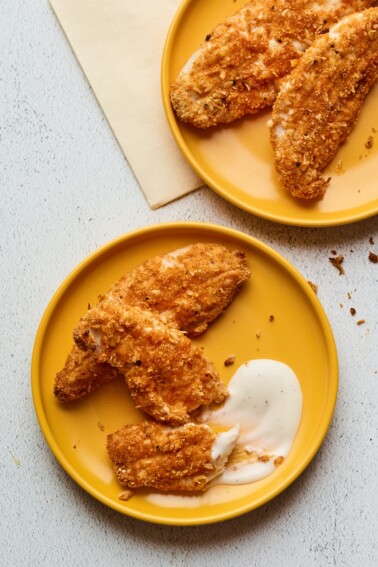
175,130
210,228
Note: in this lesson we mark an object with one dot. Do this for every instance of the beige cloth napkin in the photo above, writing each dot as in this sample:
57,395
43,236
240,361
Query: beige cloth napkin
119,45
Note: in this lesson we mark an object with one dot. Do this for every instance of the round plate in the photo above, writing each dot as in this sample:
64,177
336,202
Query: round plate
237,160
299,335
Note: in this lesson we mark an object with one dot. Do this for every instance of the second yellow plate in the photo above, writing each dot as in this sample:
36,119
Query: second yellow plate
237,160
299,335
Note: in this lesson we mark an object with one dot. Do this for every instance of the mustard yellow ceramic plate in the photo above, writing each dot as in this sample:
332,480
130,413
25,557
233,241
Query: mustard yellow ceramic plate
299,335
237,160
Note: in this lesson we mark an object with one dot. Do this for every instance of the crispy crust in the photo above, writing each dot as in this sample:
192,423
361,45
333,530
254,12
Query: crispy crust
237,69
188,288
81,374
320,101
150,455
167,375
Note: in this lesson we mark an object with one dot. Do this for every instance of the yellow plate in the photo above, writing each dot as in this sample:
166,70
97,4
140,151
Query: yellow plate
300,336
237,160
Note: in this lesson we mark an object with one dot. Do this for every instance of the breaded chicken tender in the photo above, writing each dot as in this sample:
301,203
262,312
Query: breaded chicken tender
186,458
81,374
167,375
320,101
188,288
237,69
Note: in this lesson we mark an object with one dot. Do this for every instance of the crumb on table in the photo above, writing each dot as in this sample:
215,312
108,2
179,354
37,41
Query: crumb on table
373,257
337,261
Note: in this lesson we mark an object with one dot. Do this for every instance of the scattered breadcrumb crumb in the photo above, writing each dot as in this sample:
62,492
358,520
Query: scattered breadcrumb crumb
334,252
361,322
264,458
349,295
229,360
313,286
369,142
126,495
340,170
352,311
271,317
337,263
373,257
278,461
100,426
258,334
371,240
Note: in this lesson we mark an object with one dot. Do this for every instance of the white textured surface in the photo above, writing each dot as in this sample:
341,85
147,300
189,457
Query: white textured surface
66,189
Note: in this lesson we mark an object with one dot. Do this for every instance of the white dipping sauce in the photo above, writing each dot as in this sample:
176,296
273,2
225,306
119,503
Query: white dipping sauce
266,401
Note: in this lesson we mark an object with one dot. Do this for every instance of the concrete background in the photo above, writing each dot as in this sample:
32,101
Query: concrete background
66,188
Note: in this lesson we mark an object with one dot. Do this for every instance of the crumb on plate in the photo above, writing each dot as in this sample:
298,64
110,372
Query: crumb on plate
229,360
126,495
369,142
313,286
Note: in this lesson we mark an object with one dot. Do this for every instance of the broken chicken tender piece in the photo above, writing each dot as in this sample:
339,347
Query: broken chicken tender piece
186,458
237,69
188,288
167,375
320,101
81,374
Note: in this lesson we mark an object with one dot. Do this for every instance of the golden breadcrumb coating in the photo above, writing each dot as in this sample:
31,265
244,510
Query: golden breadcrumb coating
150,455
237,69
82,374
167,375
188,288
320,100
